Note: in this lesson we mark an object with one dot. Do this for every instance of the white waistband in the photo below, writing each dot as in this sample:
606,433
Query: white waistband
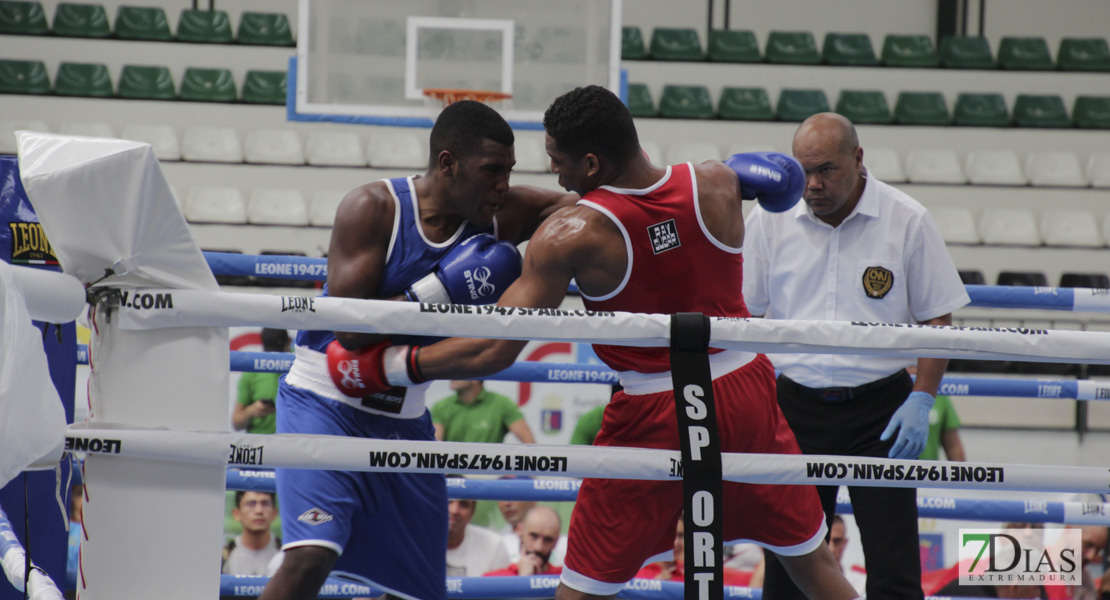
310,372
720,364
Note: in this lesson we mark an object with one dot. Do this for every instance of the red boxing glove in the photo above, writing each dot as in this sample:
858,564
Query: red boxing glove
374,368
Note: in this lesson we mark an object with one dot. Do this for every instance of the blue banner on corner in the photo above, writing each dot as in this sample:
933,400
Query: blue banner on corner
37,517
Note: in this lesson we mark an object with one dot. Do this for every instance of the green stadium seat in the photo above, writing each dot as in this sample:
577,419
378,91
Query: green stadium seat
745,104
264,29
83,79
685,102
864,106
265,87
204,26
669,43
921,108
81,20
981,110
23,18
909,51
1083,54
732,45
1040,111
632,44
640,103
146,83
1025,54
848,49
142,23
799,105
23,77
792,47
208,85
965,52
1092,112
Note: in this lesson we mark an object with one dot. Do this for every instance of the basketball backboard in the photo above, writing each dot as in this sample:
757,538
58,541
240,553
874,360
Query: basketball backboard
371,60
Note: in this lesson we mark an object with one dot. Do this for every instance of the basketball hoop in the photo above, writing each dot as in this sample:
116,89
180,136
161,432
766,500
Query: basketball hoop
442,97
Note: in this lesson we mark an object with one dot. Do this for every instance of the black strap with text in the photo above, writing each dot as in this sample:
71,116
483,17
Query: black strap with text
701,456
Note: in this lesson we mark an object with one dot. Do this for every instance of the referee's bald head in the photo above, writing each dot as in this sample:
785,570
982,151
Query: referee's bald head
829,129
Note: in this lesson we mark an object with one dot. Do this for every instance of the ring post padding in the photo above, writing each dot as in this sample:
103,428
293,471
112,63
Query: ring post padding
700,443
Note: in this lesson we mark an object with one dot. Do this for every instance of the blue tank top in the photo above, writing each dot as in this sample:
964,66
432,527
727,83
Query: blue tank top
410,257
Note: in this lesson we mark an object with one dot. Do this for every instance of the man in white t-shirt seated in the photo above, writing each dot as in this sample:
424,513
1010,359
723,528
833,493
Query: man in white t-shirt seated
472,551
251,551
513,512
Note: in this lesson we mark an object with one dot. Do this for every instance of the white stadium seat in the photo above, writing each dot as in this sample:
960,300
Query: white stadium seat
161,137
321,213
277,207
531,157
995,167
933,166
274,146
215,204
1009,227
1070,227
396,149
1098,170
87,129
1106,227
1054,168
8,127
335,149
211,144
695,152
956,225
884,164
653,150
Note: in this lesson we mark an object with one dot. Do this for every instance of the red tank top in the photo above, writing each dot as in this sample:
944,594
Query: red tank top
674,264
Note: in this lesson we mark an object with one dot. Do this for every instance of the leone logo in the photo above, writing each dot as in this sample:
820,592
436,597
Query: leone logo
877,282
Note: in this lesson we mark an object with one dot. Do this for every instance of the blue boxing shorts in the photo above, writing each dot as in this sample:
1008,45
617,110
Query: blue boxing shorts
390,529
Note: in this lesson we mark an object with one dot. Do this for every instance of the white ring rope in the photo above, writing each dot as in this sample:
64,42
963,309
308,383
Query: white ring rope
150,309
355,454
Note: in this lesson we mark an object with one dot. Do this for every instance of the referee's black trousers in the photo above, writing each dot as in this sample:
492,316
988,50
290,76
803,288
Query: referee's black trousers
887,517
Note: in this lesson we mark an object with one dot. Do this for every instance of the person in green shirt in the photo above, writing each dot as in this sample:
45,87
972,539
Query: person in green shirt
475,414
589,424
944,432
254,408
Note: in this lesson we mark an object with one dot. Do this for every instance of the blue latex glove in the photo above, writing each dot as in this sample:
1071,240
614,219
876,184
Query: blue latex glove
912,422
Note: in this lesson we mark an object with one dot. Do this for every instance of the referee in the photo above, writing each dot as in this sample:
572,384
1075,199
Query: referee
857,249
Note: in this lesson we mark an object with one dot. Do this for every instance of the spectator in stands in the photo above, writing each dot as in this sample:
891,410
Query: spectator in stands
471,550
838,541
539,530
475,414
252,550
1094,540
254,409
585,430
672,570
513,512
856,249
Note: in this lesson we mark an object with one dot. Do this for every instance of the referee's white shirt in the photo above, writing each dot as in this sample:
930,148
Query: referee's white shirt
799,267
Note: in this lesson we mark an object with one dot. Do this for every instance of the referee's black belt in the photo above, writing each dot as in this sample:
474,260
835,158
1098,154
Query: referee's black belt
838,394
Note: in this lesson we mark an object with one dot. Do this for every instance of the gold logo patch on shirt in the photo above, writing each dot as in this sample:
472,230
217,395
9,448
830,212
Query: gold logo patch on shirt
877,282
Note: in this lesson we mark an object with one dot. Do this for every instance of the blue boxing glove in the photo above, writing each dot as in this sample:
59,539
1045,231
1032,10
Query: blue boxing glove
476,271
912,422
774,179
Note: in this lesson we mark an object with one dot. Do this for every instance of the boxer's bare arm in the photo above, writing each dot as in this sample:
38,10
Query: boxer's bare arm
525,208
357,252
719,199
573,243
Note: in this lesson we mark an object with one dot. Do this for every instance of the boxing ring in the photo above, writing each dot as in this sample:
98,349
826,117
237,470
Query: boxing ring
157,430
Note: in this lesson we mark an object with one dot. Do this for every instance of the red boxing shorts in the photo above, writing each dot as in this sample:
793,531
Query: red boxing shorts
618,524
